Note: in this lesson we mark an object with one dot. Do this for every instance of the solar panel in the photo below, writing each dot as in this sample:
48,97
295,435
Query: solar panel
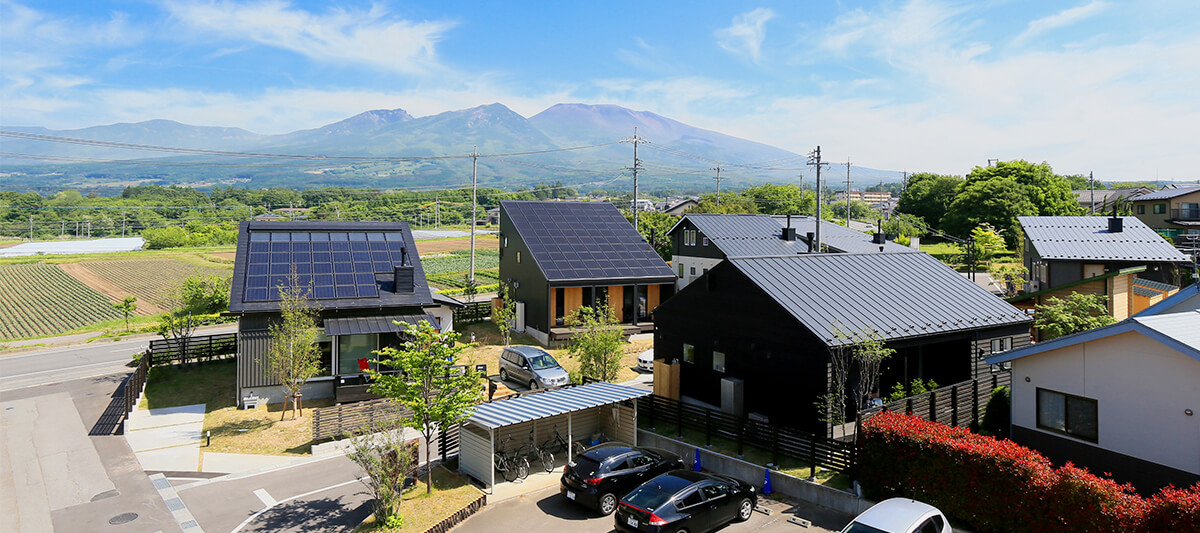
336,264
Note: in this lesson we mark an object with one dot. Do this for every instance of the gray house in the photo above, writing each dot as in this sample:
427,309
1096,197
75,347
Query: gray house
1062,250
363,277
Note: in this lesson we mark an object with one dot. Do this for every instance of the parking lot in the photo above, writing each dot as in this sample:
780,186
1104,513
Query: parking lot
548,511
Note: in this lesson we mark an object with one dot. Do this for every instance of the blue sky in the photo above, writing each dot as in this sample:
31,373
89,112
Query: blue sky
1107,86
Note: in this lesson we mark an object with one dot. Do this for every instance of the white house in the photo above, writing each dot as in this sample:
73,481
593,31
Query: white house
1122,399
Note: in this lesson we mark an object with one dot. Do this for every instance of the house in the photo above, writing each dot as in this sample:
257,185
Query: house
493,216
870,197
1147,293
681,207
1125,293
559,256
767,326
1122,399
642,204
364,277
1171,212
1062,250
1103,200
700,241
1187,298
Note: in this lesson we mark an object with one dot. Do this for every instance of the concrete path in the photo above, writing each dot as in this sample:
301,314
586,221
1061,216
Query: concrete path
168,439
47,464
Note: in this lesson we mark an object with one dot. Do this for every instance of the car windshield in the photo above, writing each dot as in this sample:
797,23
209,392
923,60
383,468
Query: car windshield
539,362
857,527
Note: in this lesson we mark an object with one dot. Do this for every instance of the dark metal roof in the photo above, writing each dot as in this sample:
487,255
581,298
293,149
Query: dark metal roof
1088,238
584,241
371,278
759,235
503,413
1103,196
442,299
1155,285
1166,194
373,324
1146,291
895,295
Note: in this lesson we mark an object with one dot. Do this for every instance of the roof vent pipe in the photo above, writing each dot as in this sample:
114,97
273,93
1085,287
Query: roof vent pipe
810,241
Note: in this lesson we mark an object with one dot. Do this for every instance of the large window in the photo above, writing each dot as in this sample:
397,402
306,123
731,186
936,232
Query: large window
689,353
1064,413
353,351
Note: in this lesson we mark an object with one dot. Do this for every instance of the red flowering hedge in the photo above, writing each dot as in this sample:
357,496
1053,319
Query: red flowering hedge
998,485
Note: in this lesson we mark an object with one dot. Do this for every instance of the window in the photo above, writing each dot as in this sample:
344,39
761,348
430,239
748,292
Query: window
518,257
1001,344
932,525
354,351
692,498
681,270
689,353
1073,415
719,361
714,491
705,241
693,271
1141,209
641,460
1160,209
503,241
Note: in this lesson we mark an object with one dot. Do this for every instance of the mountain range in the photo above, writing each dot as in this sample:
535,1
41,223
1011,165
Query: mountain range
673,155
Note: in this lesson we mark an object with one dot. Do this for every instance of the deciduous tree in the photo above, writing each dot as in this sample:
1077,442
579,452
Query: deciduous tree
127,306
1075,313
597,342
928,195
504,313
293,357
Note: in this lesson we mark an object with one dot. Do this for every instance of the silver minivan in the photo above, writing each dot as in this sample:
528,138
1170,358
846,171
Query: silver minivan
532,366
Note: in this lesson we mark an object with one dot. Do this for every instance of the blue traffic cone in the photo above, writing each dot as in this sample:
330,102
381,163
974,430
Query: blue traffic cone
696,460
767,482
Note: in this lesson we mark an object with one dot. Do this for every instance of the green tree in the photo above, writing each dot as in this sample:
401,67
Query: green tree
654,228
996,201
988,241
929,195
205,294
437,392
864,349
382,452
169,237
781,199
1075,313
470,287
1010,276
503,314
859,210
176,325
597,342
904,227
731,203
292,355
127,306
917,386
1050,194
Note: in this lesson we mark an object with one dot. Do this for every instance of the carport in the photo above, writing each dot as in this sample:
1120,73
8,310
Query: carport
577,413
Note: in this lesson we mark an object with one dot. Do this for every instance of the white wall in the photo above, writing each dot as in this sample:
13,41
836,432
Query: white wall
1141,388
444,315
700,263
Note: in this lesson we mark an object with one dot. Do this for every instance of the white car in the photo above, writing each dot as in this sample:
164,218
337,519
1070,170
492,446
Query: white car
900,515
646,360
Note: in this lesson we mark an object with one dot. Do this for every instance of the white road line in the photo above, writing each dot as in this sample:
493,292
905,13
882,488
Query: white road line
285,500
265,497
253,473
118,362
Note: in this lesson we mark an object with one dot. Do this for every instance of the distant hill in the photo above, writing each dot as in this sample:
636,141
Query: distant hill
677,155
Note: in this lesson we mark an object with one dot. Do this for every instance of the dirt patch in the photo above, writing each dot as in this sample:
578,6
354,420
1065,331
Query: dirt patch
224,255
9,244
464,243
113,292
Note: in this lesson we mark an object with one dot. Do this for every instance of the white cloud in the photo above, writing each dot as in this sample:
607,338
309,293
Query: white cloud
373,37
1061,19
745,36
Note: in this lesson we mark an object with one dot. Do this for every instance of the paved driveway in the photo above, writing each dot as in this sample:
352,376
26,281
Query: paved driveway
547,511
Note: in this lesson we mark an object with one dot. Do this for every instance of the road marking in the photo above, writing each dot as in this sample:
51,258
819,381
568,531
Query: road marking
62,369
265,497
251,518
179,510
245,475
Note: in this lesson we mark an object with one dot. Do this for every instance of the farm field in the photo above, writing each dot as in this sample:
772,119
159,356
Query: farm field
448,271
153,280
40,299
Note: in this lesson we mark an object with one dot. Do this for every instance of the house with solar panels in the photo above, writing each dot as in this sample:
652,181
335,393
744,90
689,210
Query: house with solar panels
754,335
559,256
364,277
1064,250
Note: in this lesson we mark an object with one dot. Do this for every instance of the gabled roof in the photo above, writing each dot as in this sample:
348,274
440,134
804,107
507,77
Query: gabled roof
759,235
1088,238
1187,299
1156,285
1104,196
360,277
585,241
1179,331
1166,194
896,295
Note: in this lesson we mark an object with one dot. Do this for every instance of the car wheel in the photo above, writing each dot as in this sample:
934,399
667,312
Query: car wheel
745,509
608,504
503,375
532,384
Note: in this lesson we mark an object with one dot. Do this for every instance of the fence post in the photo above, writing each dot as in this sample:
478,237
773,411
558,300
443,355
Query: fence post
954,405
741,435
908,405
708,427
652,402
975,403
933,406
812,458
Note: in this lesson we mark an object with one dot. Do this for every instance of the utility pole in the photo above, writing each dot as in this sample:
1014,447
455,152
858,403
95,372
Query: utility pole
637,165
814,159
31,227
123,224
62,231
1092,184
437,210
847,192
992,162
474,184
718,178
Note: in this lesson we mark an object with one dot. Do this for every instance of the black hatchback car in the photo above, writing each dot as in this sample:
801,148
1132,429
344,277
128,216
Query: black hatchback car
601,475
683,500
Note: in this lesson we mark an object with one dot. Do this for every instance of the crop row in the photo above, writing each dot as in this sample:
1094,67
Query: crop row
40,299
445,264
153,280
456,280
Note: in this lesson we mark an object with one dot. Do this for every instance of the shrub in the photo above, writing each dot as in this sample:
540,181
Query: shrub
998,485
997,416
917,387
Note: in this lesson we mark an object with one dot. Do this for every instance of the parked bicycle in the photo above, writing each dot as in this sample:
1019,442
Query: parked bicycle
557,443
510,464
579,445
538,453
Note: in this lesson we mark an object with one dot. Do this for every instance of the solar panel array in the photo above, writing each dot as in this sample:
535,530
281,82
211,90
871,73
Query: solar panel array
336,264
584,240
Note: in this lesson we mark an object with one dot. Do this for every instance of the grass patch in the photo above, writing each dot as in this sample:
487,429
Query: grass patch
489,342
259,431
213,384
421,511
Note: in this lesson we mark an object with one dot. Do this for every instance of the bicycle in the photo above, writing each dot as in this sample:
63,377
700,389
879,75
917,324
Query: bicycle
556,444
579,447
541,454
509,464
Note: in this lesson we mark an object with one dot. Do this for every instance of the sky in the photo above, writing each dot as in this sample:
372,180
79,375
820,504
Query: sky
923,85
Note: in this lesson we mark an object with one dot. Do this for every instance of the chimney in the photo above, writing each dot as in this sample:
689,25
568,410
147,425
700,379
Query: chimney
404,279
789,233
879,238
810,241
1115,224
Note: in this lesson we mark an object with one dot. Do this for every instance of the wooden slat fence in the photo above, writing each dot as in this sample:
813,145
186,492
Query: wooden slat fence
199,348
134,384
960,404
336,421
779,441
473,312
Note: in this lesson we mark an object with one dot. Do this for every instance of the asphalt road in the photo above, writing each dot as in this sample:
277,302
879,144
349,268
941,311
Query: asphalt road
59,365
548,511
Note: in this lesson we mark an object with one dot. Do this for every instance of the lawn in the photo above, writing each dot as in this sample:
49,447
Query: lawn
421,511
490,344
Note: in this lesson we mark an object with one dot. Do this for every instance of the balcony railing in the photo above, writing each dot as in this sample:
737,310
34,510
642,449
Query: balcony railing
1185,214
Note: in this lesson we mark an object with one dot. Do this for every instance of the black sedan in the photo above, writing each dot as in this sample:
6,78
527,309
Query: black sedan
601,475
683,500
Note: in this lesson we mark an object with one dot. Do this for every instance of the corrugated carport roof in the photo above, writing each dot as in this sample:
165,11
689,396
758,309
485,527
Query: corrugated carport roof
373,324
502,413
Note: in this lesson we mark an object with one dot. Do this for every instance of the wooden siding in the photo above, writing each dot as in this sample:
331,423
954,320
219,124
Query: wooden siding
616,299
1121,303
475,453
652,297
572,299
252,368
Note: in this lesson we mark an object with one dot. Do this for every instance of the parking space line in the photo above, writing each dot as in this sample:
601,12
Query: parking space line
265,497
254,516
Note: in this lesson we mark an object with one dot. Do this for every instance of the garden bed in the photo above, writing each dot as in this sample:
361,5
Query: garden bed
421,511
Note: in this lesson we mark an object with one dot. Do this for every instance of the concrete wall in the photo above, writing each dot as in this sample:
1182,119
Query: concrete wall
275,393
1141,387
794,487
